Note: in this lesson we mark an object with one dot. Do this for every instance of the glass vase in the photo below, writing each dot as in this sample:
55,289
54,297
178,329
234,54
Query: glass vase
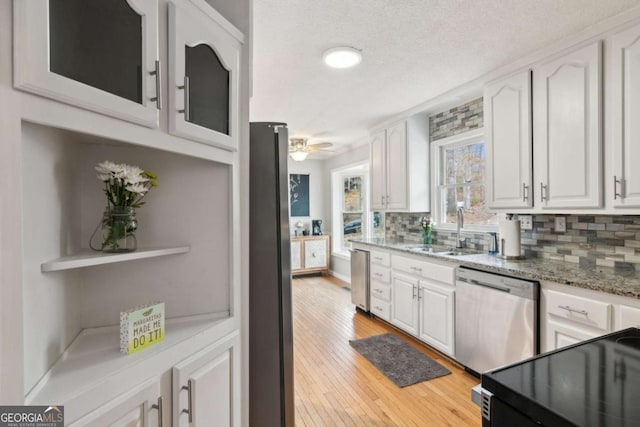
118,229
426,237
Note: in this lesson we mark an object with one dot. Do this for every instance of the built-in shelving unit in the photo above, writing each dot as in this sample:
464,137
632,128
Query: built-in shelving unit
91,258
94,357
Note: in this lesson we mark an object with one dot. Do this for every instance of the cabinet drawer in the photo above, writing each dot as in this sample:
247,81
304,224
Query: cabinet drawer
380,258
428,270
580,310
381,308
378,290
628,317
380,274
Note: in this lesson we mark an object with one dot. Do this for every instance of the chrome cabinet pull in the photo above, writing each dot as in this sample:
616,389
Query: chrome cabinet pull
525,192
378,308
617,181
378,258
158,98
543,197
382,200
416,269
414,292
185,110
158,406
377,274
419,296
573,310
189,390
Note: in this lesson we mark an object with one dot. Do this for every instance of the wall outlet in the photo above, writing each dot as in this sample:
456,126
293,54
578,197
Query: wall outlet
526,222
561,224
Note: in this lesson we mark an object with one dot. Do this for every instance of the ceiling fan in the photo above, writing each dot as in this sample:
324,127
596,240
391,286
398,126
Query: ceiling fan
299,148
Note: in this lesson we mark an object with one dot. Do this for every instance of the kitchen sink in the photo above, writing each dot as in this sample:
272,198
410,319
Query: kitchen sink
440,251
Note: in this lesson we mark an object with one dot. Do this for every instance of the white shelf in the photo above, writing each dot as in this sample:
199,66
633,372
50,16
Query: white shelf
94,356
90,258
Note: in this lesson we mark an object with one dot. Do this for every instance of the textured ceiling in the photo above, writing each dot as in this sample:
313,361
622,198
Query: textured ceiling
412,52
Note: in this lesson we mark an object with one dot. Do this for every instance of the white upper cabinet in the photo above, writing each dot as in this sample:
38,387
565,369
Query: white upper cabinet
626,126
378,156
399,166
101,56
567,130
204,75
507,127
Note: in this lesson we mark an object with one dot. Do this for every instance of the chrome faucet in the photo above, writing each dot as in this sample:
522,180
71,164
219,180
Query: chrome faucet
459,224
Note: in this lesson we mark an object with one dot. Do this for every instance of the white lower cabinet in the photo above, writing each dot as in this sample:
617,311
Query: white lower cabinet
141,407
296,252
627,317
424,307
564,334
404,300
573,316
437,305
203,388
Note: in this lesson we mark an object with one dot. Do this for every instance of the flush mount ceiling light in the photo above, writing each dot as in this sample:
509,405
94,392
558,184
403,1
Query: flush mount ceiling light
298,149
342,57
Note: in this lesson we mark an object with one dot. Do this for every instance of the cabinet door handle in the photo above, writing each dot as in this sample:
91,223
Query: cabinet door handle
377,274
188,411
573,310
379,291
617,181
543,197
158,98
416,269
525,192
378,308
158,406
420,296
185,110
414,291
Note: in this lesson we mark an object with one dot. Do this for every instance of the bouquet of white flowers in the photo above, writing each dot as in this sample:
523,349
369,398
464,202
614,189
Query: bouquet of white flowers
125,186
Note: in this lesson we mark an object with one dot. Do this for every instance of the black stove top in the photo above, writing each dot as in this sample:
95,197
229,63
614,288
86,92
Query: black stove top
594,383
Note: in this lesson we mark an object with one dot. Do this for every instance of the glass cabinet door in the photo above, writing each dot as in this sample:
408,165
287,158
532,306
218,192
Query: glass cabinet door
204,58
208,99
101,55
98,43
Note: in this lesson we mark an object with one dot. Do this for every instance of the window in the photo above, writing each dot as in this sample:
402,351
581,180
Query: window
351,216
460,172
352,208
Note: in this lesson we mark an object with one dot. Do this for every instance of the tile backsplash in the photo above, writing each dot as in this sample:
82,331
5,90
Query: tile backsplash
456,120
606,240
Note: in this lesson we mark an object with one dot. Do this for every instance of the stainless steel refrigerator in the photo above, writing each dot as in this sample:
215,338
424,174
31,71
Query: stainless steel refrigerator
270,325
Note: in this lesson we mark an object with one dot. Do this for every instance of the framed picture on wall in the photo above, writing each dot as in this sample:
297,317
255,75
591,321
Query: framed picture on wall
299,194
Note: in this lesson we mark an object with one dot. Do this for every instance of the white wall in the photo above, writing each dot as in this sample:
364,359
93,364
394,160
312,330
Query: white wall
340,265
318,183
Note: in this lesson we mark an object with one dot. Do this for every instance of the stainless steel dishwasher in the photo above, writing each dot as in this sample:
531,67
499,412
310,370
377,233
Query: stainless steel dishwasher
360,279
496,319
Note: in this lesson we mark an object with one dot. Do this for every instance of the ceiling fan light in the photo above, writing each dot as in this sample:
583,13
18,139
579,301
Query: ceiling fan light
342,57
298,156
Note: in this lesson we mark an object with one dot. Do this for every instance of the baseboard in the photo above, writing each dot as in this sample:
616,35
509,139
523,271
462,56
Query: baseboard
340,276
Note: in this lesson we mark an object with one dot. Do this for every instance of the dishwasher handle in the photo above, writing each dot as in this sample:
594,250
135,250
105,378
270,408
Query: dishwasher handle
486,285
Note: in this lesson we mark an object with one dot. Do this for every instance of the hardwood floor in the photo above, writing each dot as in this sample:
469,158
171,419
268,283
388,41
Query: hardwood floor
336,386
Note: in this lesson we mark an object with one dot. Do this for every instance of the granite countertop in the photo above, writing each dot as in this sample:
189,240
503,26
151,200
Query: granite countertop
624,282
